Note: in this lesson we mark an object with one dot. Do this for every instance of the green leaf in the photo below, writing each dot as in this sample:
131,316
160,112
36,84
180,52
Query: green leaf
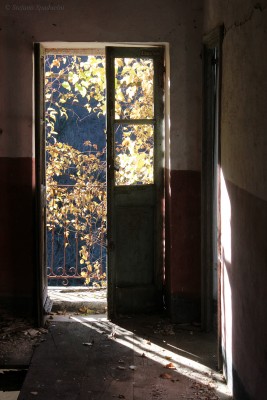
83,91
75,79
85,83
66,85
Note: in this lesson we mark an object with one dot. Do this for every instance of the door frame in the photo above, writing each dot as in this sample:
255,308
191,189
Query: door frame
39,50
210,183
40,203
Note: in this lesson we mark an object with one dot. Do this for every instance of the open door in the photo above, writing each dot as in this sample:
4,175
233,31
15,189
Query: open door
210,204
42,299
134,99
134,178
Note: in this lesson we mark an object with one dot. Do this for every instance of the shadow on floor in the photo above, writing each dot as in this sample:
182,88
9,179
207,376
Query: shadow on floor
135,359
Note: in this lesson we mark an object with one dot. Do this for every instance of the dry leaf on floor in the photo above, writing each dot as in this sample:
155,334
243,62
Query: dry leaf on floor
120,367
84,310
59,312
133,367
170,366
88,344
168,358
165,376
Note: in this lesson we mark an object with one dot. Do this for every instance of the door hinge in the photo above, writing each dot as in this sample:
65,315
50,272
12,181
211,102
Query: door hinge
214,61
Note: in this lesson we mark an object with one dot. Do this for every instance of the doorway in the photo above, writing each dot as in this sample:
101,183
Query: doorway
99,198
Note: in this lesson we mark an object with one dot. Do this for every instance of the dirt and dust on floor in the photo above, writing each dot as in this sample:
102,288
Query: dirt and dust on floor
82,355
18,339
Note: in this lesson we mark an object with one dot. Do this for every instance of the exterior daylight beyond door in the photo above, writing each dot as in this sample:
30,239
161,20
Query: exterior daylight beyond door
133,101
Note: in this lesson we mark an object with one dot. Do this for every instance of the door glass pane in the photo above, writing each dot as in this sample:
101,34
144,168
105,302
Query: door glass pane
134,88
134,154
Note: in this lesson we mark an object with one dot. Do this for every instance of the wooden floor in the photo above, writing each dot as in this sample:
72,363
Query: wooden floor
92,358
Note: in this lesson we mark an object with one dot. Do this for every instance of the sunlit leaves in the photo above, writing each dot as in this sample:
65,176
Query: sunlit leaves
80,80
79,209
134,155
134,88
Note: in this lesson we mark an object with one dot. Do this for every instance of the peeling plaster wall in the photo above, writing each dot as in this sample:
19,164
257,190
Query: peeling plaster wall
177,22
244,198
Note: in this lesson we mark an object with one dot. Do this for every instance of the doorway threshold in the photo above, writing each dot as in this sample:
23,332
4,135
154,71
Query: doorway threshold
78,299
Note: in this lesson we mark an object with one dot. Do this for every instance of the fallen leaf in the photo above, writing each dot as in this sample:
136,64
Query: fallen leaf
88,344
120,367
170,366
133,367
165,376
83,310
168,358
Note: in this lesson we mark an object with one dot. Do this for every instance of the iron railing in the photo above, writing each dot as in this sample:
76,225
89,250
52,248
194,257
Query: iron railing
77,256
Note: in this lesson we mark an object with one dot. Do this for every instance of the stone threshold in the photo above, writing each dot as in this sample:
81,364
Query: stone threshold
78,299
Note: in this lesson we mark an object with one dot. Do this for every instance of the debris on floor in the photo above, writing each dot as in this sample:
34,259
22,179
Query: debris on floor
95,358
18,339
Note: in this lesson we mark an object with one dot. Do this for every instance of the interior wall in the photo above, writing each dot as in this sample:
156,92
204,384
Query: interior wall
178,23
244,191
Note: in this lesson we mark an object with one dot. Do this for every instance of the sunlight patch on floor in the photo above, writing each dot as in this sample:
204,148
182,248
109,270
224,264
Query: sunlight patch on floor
143,347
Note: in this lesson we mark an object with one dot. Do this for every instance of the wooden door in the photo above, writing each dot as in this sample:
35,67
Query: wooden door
42,299
134,178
